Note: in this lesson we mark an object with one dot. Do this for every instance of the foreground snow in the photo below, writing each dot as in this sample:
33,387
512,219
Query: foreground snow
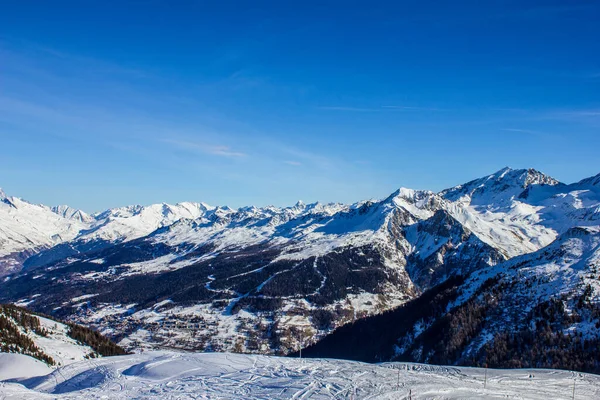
14,366
235,376
56,343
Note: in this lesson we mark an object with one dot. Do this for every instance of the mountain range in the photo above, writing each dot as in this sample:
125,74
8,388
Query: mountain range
274,280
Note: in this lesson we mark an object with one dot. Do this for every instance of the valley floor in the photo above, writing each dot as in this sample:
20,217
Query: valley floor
170,375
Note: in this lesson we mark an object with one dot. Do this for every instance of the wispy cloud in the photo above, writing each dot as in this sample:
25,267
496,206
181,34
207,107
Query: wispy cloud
294,163
14,107
411,108
308,158
84,65
380,108
574,74
546,135
525,131
583,113
342,108
216,150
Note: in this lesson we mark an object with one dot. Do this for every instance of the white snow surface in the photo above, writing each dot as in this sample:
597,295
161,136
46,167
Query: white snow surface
58,345
236,376
126,223
72,213
19,366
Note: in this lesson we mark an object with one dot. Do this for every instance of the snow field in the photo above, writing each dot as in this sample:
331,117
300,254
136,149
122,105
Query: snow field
236,376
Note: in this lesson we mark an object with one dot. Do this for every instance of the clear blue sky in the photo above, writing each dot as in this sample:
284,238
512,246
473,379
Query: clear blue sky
108,103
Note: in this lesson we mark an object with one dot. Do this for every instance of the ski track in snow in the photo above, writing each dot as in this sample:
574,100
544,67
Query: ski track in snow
170,375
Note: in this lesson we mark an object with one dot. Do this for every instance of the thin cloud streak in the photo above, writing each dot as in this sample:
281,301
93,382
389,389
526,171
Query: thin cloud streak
381,108
340,108
83,63
411,108
526,131
584,113
217,150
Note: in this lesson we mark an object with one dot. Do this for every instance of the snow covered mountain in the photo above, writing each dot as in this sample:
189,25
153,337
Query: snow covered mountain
274,279
499,188
521,211
32,235
119,225
26,229
539,310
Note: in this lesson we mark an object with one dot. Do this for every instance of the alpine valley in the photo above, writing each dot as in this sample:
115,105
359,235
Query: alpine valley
501,270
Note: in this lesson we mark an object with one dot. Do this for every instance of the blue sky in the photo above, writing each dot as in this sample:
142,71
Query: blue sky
106,103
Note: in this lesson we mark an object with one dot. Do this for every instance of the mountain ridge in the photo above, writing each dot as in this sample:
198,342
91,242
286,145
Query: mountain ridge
130,222
263,278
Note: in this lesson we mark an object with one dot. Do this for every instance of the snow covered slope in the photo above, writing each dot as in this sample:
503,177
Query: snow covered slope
521,211
19,366
47,340
73,214
537,310
234,376
521,311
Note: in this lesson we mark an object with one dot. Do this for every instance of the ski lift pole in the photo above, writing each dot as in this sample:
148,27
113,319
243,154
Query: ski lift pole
485,377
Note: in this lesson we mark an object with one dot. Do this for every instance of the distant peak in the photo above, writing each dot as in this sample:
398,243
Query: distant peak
502,172
71,213
4,199
591,181
405,192
409,194
299,204
505,182
519,177
535,177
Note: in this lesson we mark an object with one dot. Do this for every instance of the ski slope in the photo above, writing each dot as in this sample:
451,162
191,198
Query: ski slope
170,375
18,365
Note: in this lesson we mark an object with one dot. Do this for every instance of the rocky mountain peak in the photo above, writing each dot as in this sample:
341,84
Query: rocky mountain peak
498,187
535,177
